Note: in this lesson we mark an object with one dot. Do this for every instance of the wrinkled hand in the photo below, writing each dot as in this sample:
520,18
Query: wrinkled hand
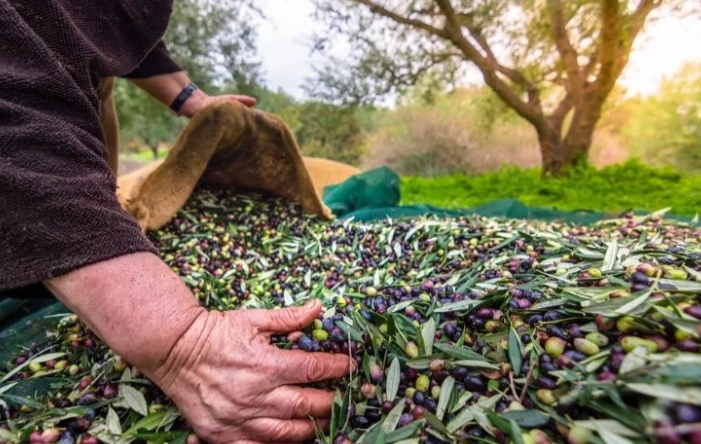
200,100
234,387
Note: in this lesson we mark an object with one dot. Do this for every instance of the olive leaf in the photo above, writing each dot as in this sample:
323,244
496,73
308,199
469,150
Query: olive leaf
635,360
515,352
613,438
134,399
516,433
465,305
392,420
460,420
635,303
611,256
467,363
8,436
7,387
393,379
435,422
428,333
527,418
400,306
459,352
404,434
445,396
685,395
112,422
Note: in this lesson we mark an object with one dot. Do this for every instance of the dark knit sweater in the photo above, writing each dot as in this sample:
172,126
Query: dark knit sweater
58,210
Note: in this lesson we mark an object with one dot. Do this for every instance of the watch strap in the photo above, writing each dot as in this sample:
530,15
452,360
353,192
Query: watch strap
182,97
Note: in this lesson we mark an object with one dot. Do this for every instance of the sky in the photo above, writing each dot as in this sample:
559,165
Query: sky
286,56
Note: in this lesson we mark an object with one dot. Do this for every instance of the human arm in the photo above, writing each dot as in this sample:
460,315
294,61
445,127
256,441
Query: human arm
162,78
142,309
166,87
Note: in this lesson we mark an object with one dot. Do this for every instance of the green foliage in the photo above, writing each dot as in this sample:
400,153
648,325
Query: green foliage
617,188
330,132
322,130
550,61
214,42
142,118
665,129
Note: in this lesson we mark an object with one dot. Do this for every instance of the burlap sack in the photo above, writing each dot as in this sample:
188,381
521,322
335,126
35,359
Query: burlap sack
325,172
232,145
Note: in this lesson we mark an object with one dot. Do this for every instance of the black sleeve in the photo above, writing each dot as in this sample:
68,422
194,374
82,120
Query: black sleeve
58,205
157,62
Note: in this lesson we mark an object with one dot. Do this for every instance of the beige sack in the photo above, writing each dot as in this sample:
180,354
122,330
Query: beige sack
233,145
325,172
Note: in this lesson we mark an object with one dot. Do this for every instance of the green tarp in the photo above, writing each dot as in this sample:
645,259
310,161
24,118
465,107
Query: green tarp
372,195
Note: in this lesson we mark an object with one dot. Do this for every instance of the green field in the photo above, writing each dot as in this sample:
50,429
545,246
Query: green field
630,186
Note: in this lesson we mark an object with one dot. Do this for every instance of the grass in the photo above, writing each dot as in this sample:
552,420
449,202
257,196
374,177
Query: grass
616,188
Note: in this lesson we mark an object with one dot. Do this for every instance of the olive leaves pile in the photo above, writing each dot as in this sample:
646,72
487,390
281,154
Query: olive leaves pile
465,330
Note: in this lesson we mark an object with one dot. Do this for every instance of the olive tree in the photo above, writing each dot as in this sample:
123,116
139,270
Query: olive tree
553,62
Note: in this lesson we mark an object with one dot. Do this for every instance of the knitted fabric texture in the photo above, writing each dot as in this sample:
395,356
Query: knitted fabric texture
58,205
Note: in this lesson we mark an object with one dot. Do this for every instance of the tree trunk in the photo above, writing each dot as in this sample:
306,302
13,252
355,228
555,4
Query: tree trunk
559,155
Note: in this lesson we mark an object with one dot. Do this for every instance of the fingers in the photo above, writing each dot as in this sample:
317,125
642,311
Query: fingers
311,367
299,403
287,319
289,430
246,100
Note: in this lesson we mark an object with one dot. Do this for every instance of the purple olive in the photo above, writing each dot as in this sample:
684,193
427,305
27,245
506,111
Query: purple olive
360,422
687,345
475,384
694,310
685,413
666,434
546,383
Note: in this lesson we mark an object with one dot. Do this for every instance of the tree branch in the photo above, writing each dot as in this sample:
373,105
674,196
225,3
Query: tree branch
608,49
616,43
645,7
377,9
557,118
565,49
531,110
510,73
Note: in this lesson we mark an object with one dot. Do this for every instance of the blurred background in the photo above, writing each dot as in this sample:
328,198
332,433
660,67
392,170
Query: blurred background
578,104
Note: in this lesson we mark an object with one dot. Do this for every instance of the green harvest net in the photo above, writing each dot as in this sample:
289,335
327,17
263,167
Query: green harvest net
372,195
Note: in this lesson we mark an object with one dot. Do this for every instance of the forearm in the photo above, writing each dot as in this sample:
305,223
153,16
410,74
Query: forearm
135,303
165,88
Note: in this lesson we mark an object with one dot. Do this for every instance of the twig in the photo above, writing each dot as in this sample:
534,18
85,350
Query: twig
528,377
512,385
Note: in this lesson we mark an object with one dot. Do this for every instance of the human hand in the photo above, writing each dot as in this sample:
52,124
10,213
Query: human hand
220,369
200,100
233,386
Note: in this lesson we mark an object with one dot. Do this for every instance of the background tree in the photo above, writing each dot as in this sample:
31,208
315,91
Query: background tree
554,62
665,128
330,132
215,43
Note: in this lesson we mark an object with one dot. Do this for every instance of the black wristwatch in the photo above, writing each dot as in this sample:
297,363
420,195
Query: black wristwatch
182,97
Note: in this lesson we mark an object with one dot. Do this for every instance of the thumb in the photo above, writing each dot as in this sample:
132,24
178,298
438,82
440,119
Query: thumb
286,319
